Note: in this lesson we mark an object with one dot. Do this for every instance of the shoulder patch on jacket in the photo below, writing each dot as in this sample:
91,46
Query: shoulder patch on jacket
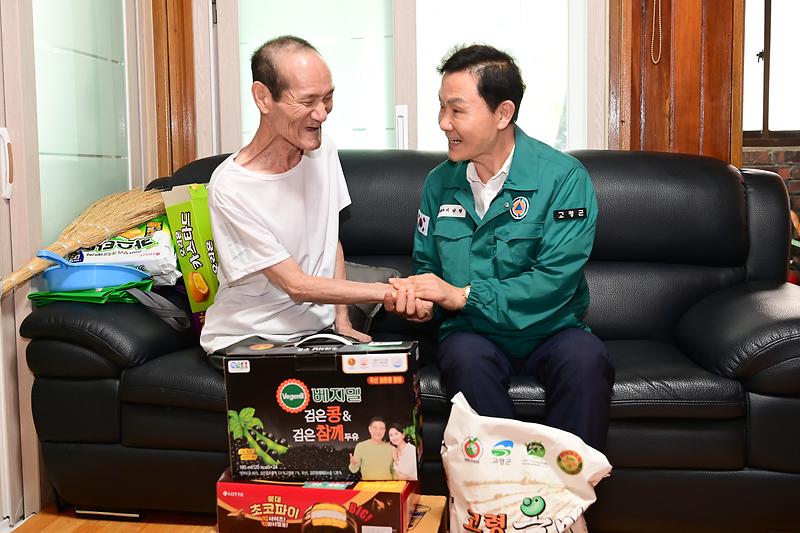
422,223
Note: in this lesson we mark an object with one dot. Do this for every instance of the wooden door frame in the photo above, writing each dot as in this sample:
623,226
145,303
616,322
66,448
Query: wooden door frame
622,85
620,20
173,50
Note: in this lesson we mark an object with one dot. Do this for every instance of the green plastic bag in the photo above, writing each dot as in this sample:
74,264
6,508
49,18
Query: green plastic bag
117,293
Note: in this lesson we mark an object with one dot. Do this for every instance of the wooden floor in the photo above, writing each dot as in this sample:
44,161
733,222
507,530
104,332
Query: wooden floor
48,520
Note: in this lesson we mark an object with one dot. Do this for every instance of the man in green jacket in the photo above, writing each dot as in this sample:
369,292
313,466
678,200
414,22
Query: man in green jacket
503,233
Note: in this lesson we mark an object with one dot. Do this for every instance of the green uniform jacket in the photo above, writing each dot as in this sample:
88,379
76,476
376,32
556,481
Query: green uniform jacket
526,270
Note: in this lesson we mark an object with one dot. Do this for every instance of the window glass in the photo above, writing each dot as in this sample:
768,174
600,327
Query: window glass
356,38
784,76
79,57
535,32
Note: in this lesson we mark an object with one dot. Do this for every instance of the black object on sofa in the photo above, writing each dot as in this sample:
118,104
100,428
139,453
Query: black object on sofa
687,286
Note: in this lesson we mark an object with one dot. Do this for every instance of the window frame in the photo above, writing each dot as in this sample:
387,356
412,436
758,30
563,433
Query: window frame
765,136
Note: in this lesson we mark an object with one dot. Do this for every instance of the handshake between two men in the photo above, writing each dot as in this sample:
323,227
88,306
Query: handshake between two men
414,297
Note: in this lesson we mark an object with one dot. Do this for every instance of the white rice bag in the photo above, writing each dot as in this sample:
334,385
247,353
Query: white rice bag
510,476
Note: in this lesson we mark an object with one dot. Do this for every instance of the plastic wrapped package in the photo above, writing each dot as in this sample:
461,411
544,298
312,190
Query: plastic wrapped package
147,247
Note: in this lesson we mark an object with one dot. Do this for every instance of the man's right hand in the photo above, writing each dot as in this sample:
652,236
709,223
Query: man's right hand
404,303
354,461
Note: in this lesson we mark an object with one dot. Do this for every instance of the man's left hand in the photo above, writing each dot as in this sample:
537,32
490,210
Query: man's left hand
433,288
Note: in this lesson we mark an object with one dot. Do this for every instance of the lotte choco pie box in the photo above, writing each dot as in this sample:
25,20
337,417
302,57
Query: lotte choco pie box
324,412
318,506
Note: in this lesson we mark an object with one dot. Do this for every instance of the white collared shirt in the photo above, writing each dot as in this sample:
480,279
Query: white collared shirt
484,193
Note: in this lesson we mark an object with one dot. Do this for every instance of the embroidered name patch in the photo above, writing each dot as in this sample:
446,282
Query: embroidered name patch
570,214
451,210
422,223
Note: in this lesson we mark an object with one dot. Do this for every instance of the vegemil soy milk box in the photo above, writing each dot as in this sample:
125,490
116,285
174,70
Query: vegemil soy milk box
189,219
325,412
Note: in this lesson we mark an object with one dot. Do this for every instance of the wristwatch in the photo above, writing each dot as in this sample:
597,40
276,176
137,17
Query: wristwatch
466,294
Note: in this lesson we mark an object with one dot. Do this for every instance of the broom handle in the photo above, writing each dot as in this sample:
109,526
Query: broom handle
21,275
37,265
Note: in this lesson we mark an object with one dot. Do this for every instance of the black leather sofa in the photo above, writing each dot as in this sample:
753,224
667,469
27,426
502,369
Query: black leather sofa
687,286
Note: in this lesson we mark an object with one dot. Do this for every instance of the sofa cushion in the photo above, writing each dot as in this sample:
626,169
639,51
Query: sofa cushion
76,410
60,359
653,380
772,442
361,314
636,300
174,428
180,379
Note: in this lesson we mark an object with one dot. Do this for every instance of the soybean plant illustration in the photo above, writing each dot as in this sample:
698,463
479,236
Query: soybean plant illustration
246,425
410,432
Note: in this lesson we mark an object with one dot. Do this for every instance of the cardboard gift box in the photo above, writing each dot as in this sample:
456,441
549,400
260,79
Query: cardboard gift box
309,412
314,506
190,221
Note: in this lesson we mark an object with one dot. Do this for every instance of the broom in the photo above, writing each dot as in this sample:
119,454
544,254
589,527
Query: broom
105,218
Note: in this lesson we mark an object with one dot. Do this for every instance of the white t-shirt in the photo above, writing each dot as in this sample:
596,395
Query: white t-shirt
259,220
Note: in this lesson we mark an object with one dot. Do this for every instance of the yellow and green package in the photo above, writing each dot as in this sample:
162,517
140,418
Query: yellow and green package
189,219
147,247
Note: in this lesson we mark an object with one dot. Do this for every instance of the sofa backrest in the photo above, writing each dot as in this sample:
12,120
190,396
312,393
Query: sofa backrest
672,228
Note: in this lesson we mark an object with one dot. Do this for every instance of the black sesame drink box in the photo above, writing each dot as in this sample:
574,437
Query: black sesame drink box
325,412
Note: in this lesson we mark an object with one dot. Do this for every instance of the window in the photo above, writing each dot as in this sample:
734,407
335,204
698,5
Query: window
537,34
84,96
771,114
383,56
356,39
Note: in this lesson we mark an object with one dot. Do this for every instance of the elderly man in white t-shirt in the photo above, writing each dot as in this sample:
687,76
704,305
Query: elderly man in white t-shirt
275,212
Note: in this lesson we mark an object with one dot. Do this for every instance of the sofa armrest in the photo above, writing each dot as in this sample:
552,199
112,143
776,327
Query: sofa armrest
125,335
750,332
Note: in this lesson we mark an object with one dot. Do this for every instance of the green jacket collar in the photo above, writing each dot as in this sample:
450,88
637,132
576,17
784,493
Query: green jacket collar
524,165
521,175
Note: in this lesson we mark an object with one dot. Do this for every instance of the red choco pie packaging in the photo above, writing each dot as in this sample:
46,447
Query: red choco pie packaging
315,506
324,412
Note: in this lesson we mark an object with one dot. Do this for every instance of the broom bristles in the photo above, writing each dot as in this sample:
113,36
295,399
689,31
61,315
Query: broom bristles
103,219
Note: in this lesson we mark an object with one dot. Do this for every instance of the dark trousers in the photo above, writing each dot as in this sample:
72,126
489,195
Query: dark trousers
573,366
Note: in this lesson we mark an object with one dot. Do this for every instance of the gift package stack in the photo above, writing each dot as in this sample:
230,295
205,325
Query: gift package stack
322,437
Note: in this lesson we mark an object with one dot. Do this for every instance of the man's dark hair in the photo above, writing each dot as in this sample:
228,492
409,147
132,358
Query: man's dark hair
376,419
263,64
499,78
